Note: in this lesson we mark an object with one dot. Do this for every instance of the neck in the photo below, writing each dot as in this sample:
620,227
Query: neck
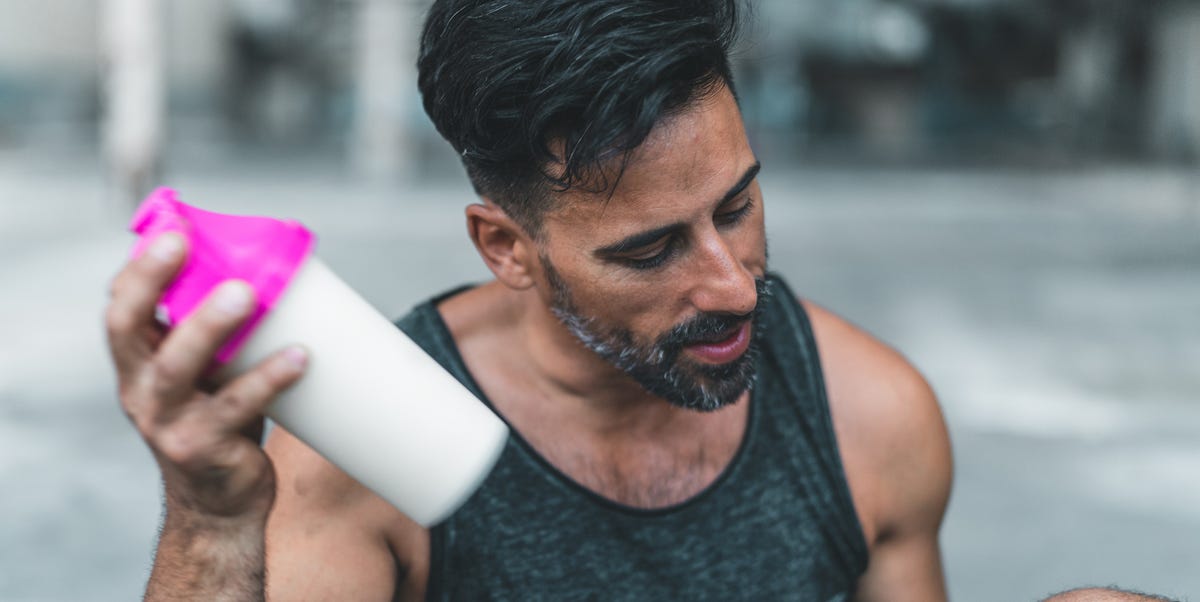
596,424
583,415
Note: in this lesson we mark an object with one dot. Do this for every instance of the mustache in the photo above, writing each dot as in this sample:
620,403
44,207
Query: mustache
713,327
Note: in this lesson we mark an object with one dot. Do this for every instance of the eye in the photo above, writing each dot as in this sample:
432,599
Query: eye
654,256
730,218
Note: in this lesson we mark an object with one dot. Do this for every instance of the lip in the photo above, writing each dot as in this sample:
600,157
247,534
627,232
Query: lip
723,352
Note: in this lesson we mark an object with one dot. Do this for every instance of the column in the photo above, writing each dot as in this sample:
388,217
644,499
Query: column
385,87
135,96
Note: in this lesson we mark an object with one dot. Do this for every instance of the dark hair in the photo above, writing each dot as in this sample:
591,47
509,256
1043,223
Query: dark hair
504,80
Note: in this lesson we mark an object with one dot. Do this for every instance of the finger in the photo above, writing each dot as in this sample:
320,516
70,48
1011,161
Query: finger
255,430
135,291
244,400
188,350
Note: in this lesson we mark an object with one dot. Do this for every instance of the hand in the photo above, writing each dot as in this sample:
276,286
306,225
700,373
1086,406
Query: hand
206,443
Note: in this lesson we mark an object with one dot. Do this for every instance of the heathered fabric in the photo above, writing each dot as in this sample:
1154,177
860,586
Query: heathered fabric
777,524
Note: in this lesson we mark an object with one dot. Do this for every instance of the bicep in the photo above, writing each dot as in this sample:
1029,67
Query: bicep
323,540
915,477
312,561
904,568
896,452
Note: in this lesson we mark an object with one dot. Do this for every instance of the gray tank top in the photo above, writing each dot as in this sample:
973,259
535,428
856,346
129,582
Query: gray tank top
777,524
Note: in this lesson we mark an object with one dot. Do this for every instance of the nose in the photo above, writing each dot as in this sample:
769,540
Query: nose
723,285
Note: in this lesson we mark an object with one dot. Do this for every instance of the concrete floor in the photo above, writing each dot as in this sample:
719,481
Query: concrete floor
1057,314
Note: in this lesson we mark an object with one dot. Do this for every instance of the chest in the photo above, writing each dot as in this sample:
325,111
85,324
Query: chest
646,474
763,530
652,459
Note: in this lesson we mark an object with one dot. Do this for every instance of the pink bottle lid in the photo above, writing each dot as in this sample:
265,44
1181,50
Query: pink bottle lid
262,251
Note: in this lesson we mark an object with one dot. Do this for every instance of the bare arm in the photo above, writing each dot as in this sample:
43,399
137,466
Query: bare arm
915,478
330,538
241,522
200,560
219,485
896,453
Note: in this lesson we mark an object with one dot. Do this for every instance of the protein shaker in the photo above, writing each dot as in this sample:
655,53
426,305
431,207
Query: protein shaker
371,402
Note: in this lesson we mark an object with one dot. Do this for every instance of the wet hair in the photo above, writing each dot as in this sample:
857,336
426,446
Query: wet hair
541,95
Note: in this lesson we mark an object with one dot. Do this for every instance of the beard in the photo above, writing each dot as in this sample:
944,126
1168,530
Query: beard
660,366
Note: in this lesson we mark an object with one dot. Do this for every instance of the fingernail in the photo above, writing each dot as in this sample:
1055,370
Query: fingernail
166,247
296,357
233,298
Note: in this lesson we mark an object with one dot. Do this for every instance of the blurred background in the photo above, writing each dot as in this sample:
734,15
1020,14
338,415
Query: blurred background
1005,190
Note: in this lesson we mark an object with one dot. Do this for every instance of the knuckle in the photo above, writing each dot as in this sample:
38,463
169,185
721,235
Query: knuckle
118,320
178,445
165,378
206,328
252,391
143,423
235,401
164,372
130,408
128,280
232,398
119,283
129,402
141,411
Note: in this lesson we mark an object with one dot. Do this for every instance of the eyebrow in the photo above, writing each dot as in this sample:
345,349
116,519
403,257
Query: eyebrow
642,239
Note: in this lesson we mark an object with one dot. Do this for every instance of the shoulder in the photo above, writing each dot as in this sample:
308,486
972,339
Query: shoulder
423,317
303,477
325,520
890,429
306,481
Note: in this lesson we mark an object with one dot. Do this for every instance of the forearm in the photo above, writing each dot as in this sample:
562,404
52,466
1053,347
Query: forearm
209,559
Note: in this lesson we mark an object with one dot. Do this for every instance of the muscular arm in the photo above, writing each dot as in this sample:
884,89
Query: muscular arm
218,484
896,453
328,537
241,523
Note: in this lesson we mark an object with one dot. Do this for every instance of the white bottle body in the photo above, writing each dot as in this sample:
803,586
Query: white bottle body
374,403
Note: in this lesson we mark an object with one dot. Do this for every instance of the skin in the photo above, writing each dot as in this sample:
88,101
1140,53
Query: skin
326,537
1100,594
218,484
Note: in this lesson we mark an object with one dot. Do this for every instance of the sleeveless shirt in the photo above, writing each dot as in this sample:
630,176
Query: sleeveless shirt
777,524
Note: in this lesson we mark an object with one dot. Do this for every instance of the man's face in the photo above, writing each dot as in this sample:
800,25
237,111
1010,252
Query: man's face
663,279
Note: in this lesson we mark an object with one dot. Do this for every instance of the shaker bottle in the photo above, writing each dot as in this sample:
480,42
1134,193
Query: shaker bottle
371,401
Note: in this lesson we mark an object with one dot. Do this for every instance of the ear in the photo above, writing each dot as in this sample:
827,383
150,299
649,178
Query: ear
503,244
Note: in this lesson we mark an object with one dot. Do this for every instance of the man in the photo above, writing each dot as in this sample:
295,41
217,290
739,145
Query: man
675,434
1105,594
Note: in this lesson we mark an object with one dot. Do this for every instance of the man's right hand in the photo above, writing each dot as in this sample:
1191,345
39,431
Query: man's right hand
205,439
